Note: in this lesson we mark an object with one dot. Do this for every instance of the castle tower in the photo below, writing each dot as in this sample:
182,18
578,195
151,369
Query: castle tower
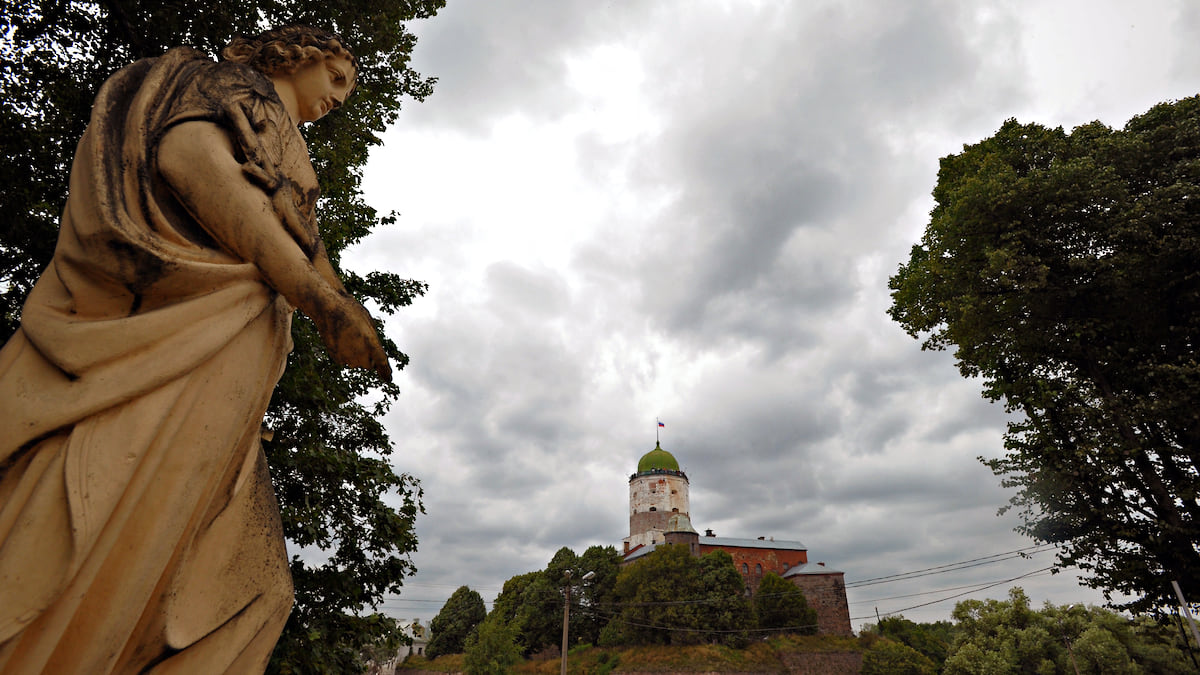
657,491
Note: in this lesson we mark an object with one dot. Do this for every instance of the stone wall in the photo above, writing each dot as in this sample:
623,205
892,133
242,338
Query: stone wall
824,663
826,593
653,498
802,663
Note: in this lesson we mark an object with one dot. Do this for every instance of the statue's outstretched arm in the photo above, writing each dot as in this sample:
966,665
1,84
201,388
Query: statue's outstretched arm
197,160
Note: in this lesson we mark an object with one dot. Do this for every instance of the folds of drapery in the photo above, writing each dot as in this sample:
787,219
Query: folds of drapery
138,528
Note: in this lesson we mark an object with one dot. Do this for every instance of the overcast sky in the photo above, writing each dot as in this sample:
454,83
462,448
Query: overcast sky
629,210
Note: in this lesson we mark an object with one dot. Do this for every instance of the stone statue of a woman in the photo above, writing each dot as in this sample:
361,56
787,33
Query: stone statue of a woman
138,529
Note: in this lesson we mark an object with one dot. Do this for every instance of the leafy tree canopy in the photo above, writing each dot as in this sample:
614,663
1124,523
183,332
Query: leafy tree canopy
1062,269
491,649
1007,636
672,597
532,603
591,602
886,657
780,604
460,615
328,451
930,639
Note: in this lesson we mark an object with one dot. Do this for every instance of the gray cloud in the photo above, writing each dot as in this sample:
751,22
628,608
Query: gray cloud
726,270
504,56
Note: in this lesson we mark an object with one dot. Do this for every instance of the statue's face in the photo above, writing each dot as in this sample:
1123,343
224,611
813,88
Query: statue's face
321,86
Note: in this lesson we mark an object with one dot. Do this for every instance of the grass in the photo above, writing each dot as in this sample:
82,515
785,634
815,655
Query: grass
761,657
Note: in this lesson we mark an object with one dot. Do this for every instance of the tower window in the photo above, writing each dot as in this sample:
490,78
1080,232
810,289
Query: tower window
653,508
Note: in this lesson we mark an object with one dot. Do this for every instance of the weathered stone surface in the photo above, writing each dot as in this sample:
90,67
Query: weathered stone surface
826,593
138,528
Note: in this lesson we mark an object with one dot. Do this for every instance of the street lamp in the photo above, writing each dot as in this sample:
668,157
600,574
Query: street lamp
567,615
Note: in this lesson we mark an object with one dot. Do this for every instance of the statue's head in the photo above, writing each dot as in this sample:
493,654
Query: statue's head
282,51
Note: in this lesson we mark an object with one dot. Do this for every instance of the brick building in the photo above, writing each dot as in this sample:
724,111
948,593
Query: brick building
659,509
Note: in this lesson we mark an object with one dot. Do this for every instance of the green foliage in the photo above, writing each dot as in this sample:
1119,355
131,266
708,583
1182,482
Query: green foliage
328,456
998,636
1062,269
671,597
886,657
533,603
932,640
460,615
491,649
991,638
591,605
508,603
1007,632
538,614
779,604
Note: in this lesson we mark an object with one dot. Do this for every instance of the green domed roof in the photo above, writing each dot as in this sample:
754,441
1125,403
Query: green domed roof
657,459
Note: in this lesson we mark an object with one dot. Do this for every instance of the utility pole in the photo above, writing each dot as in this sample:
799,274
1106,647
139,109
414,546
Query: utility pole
567,615
1186,611
1072,653
566,620
1067,640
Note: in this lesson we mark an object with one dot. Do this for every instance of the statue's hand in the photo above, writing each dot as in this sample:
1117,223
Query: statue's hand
349,335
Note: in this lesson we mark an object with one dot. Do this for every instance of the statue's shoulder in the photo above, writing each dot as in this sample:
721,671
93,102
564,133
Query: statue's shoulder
213,90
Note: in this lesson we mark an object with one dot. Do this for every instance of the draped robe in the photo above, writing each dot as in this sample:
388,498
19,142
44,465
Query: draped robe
138,528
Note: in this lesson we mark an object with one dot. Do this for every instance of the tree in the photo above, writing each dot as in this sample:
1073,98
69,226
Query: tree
781,604
653,594
726,615
532,603
896,658
491,649
591,601
671,597
1061,267
450,628
1007,636
539,613
328,452
1002,636
930,639
508,602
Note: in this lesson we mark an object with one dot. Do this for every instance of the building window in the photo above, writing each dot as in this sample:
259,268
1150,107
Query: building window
674,510
745,568
758,569
674,491
786,567
653,508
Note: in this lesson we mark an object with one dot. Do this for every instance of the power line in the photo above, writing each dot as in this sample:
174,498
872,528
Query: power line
901,576
617,618
952,567
958,595
915,595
